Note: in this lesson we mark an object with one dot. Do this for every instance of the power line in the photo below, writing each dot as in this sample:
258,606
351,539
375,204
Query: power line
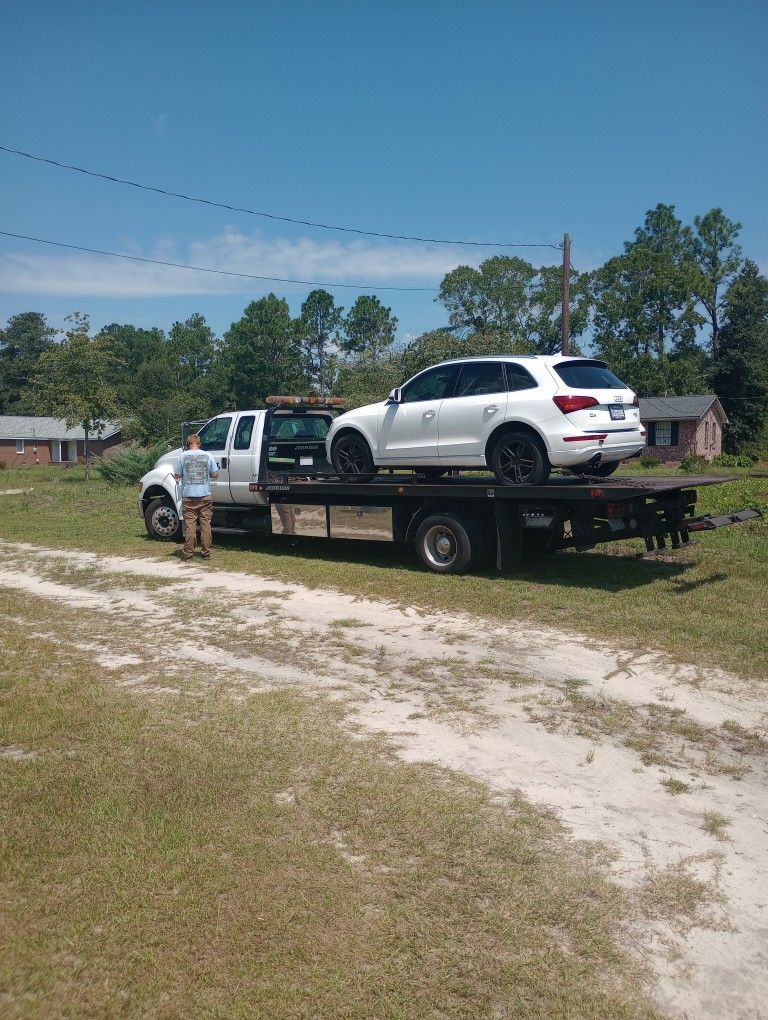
215,272
273,216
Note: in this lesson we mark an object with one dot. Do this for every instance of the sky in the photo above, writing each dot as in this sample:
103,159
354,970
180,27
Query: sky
508,121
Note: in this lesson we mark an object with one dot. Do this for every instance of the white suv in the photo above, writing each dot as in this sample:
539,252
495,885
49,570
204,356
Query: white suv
518,415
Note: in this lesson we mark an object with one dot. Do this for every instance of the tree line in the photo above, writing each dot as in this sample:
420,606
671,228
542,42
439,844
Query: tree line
679,311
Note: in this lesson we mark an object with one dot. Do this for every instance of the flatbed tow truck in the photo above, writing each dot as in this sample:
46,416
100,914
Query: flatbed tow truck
277,481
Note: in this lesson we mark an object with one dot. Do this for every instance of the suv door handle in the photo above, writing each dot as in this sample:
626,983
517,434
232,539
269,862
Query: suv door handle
429,414
492,407
223,461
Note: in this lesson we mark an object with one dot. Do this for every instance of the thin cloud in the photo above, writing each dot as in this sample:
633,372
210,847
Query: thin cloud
161,124
76,274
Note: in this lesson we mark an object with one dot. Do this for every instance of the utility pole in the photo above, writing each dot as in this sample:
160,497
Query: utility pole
566,291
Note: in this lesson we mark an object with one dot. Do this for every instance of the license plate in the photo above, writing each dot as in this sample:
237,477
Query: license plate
617,412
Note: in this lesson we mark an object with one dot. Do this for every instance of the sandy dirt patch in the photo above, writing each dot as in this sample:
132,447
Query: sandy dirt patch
596,733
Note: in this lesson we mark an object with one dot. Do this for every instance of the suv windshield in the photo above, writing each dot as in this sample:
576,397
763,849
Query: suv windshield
589,375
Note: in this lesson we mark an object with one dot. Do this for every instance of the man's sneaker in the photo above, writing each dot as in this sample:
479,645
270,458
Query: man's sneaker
205,556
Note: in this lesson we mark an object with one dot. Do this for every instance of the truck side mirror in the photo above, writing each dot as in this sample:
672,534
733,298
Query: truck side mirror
396,396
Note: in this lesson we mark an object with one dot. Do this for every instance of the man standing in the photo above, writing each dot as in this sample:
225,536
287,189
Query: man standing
194,469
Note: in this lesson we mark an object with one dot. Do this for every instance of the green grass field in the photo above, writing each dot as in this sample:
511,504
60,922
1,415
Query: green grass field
704,605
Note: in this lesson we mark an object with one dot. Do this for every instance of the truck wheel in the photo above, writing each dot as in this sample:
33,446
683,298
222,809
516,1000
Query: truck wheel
518,458
162,520
447,545
351,455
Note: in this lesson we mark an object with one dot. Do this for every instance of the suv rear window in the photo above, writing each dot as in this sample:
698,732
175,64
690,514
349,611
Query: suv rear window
589,375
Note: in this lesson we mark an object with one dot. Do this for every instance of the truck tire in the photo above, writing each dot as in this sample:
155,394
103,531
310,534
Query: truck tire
351,456
449,545
518,458
161,520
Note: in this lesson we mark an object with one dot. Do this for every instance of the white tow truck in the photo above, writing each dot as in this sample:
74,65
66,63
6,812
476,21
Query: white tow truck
275,480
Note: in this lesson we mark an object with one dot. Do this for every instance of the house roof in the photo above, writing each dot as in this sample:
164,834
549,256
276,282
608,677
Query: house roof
691,408
23,426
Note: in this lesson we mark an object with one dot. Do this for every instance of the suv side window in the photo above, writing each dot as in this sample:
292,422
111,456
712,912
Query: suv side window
431,385
213,436
243,432
518,378
479,378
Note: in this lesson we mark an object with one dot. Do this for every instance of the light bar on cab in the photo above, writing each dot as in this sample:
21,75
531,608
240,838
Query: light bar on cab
308,401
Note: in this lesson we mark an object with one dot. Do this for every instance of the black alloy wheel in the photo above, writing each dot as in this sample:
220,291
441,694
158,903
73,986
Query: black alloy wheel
351,455
519,459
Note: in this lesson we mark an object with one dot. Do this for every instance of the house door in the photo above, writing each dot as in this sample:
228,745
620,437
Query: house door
56,451
72,451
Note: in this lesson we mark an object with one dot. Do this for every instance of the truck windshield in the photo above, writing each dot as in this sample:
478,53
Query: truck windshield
296,427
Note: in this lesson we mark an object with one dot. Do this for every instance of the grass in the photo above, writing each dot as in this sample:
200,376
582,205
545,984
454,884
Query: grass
658,734
675,786
196,855
705,604
714,823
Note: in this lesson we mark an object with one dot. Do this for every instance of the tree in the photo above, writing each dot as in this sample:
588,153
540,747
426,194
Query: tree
73,381
715,259
741,371
490,299
24,340
261,354
131,349
369,330
519,305
643,308
320,320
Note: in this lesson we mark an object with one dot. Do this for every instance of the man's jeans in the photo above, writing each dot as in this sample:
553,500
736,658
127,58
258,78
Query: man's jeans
197,510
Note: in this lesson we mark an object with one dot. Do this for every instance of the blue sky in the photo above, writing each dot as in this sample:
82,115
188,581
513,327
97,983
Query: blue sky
496,120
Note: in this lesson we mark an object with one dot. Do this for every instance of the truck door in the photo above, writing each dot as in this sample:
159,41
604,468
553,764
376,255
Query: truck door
244,456
214,437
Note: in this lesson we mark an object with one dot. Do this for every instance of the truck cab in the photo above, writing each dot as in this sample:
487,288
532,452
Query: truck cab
250,447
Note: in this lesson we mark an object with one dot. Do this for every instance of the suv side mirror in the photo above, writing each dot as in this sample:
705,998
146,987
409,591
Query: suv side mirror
396,396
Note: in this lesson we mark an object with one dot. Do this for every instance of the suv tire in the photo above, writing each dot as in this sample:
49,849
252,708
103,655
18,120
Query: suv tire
351,456
518,458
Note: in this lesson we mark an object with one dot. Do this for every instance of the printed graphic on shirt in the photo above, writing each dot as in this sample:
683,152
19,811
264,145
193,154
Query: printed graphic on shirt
196,467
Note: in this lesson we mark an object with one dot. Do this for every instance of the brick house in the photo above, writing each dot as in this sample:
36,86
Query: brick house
28,440
680,425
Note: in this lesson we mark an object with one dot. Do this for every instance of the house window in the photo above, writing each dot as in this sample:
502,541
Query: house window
663,433
19,446
706,434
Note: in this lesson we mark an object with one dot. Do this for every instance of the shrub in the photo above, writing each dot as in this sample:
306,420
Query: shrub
694,462
742,460
130,464
648,460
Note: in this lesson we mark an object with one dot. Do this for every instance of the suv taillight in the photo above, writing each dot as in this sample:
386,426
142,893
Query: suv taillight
636,401
569,404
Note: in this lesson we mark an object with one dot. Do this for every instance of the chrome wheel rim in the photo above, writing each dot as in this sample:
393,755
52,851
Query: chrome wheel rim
165,521
516,461
351,457
440,546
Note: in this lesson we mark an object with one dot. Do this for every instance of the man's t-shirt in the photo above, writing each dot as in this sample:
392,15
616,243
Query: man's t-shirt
196,468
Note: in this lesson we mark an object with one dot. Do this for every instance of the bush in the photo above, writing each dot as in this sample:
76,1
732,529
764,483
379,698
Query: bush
742,460
130,464
648,460
694,462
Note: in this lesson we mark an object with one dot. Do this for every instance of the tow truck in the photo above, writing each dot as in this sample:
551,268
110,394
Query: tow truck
275,480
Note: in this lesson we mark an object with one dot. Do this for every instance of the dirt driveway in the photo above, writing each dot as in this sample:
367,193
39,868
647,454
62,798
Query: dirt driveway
664,764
